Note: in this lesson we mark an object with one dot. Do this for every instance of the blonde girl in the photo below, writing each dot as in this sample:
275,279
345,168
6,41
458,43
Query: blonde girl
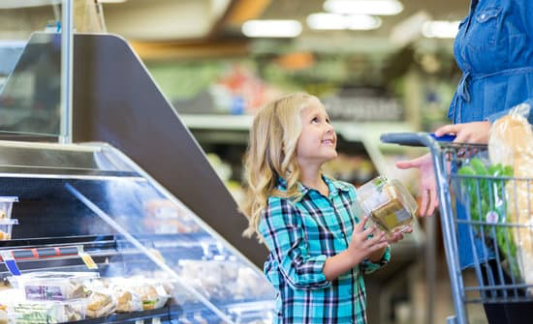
318,248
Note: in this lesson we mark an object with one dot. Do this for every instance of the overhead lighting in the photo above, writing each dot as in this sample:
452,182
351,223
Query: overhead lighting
365,7
272,28
440,29
327,21
409,30
111,1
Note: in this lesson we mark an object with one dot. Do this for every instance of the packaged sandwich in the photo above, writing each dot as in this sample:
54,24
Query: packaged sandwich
127,301
152,294
55,285
101,304
388,203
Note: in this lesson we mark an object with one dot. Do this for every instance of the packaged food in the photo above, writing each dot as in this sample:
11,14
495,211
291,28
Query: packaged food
388,203
6,206
55,285
127,300
511,143
4,318
6,226
47,312
165,217
139,293
101,304
152,294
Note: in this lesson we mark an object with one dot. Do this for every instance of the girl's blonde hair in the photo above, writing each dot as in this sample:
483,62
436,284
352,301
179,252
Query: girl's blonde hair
271,153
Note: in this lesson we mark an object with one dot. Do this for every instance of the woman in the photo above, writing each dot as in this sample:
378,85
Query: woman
494,49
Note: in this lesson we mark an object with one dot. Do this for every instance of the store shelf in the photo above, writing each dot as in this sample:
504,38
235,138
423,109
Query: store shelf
351,131
220,122
367,133
161,315
170,313
64,252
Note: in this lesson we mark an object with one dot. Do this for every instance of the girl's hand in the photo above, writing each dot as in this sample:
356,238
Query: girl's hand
428,184
475,132
397,235
361,246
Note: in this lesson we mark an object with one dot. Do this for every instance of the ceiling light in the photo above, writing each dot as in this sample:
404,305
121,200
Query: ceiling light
111,1
326,21
272,28
409,30
368,7
440,29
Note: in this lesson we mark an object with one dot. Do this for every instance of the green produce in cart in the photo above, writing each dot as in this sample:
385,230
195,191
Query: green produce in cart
485,189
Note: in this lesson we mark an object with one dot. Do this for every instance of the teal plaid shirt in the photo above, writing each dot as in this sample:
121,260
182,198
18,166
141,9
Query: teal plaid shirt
300,236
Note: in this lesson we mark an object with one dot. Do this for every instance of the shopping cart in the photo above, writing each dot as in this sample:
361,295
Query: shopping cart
487,204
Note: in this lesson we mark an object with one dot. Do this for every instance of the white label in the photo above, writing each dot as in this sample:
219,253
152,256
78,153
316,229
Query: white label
492,217
402,215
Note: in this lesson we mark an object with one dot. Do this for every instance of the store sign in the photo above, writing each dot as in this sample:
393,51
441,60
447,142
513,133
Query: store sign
365,105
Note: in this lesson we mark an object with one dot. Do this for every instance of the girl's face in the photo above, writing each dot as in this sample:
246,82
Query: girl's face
318,140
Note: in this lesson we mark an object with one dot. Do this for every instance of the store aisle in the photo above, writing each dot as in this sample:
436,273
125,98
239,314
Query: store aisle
443,306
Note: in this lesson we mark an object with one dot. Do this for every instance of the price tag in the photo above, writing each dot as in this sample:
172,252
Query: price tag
87,259
10,262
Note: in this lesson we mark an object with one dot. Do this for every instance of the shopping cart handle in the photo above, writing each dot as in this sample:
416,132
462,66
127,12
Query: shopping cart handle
443,138
409,139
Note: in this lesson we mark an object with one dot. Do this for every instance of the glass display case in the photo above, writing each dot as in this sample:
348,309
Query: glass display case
36,46
96,239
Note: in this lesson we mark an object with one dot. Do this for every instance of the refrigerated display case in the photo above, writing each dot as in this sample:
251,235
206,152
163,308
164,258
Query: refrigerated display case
101,241
161,247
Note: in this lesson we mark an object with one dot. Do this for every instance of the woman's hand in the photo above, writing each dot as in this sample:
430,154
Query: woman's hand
361,246
428,185
475,132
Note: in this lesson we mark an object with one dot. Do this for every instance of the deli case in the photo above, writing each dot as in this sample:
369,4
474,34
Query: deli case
88,236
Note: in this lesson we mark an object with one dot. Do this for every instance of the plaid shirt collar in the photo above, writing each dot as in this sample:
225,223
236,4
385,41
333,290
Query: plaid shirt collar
334,186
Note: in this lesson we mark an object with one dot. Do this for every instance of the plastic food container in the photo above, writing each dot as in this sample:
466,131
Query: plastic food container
6,226
6,206
388,203
4,317
47,312
58,286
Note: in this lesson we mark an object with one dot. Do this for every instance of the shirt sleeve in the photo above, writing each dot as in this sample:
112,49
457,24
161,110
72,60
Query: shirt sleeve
492,118
282,230
368,266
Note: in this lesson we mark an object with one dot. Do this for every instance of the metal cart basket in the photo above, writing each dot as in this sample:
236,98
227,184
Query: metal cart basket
492,212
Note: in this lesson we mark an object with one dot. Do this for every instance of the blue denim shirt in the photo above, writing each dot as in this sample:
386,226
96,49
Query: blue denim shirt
494,49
